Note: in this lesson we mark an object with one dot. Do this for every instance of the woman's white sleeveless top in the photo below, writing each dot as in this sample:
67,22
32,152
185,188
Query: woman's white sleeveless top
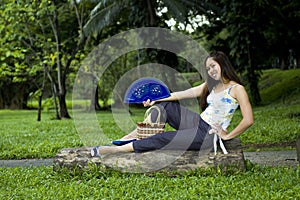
221,107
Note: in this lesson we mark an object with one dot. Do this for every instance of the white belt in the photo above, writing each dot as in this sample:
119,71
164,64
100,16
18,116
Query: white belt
216,137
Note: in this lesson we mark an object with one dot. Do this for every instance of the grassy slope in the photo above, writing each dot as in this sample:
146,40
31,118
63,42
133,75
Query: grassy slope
280,86
277,120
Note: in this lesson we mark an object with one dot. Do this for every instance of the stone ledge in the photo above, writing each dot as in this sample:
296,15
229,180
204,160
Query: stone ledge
164,160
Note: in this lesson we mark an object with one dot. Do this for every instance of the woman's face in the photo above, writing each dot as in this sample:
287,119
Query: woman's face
213,69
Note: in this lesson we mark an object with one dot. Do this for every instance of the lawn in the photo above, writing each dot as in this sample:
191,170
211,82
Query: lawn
23,137
44,183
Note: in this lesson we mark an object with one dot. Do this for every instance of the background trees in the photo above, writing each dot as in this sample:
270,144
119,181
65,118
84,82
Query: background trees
43,42
46,35
256,35
134,14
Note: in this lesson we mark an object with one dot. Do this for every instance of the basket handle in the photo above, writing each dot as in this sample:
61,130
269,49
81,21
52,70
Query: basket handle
148,113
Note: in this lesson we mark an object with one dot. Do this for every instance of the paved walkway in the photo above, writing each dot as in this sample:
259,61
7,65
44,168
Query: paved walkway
26,163
273,158
264,158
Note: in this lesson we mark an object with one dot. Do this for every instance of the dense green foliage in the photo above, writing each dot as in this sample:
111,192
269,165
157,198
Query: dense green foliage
43,42
255,34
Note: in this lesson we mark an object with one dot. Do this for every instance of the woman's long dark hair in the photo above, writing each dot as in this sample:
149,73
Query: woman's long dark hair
227,73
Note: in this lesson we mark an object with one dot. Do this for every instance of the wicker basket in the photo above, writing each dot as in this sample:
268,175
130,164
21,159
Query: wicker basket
147,128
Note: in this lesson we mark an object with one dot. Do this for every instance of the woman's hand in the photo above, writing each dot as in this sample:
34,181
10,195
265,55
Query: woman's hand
217,129
148,103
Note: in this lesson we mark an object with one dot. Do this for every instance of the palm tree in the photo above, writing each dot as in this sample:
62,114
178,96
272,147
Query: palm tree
141,13
106,12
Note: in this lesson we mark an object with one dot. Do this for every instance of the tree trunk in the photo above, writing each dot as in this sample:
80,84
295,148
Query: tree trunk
253,80
41,97
62,96
151,14
282,64
297,62
61,74
54,92
63,107
95,100
97,105
39,107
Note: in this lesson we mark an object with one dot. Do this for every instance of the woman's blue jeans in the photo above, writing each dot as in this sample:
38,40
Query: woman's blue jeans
191,131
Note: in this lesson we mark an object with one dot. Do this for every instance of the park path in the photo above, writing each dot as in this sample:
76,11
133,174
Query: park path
273,158
26,162
264,158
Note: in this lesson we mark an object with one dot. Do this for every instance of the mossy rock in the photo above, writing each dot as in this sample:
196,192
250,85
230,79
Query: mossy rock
155,161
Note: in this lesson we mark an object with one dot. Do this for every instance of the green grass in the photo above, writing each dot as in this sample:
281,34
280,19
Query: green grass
23,137
280,86
272,124
44,183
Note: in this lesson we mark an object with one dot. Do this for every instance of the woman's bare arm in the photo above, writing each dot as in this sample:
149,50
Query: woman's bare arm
185,94
241,95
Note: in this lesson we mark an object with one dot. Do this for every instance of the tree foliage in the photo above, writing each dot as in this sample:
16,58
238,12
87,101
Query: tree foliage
255,34
48,34
43,42
16,74
134,14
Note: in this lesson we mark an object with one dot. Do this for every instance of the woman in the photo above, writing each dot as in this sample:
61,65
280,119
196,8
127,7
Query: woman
220,94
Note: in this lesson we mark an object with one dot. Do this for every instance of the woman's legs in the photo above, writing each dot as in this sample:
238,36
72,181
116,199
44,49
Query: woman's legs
115,149
177,116
190,134
186,139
